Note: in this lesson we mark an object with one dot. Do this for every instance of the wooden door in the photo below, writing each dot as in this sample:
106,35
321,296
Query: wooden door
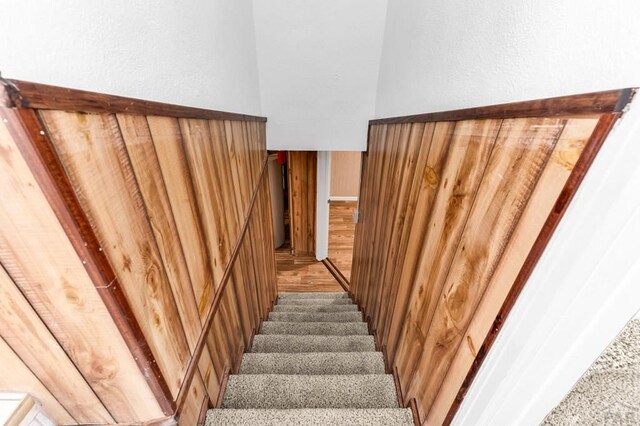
302,169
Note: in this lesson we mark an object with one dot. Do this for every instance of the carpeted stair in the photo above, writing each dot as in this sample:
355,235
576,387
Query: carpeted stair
314,364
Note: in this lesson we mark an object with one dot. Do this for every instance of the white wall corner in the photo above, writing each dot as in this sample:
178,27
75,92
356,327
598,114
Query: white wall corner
322,204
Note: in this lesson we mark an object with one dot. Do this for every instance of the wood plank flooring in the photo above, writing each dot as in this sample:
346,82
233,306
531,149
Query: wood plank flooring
341,235
303,273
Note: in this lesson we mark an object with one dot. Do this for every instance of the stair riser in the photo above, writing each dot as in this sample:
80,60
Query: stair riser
316,317
313,295
294,344
315,328
314,302
292,392
313,363
316,309
322,416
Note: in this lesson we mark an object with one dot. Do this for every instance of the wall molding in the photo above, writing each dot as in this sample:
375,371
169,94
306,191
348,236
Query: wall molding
595,103
343,198
25,94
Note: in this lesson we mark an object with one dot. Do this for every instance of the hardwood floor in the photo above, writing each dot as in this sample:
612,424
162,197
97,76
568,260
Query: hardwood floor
341,235
303,273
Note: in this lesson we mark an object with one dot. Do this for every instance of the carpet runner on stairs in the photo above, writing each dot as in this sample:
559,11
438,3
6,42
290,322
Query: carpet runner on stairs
314,364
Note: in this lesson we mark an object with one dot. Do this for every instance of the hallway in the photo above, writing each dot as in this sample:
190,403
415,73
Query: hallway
302,273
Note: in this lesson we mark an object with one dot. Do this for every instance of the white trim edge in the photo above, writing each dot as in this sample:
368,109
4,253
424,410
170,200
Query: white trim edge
322,206
340,198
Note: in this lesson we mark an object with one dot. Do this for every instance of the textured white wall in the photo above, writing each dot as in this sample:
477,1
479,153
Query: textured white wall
199,53
448,54
318,62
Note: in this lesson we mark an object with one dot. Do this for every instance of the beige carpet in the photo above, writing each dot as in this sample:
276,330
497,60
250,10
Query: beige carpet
609,392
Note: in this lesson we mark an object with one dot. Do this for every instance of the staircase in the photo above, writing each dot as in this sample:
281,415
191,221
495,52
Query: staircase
314,363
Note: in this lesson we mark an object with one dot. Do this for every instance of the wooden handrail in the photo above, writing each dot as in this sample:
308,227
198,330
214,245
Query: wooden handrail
208,322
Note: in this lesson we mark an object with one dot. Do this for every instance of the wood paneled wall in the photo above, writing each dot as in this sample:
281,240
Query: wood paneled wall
303,169
136,252
454,213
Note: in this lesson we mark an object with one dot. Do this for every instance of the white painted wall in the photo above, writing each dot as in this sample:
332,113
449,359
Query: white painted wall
200,53
448,54
318,62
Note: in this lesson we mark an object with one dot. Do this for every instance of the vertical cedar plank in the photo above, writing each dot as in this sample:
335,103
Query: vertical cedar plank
239,279
468,156
17,320
393,192
14,371
233,200
145,165
427,186
238,170
564,157
168,144
377,153
191,411
57,286
138,141
388,154
412,165
93,153
197,142
520,154
359,262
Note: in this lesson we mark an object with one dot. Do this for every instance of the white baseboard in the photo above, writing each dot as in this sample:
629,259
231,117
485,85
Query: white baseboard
338,198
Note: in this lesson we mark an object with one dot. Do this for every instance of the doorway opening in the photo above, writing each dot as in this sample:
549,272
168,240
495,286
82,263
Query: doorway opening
343,208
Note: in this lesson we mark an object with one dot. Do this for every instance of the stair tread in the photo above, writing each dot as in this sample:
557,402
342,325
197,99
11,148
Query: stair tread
311,416
292,344
310,391
313,295
331,363
315,328
315,308
315,302
316,316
